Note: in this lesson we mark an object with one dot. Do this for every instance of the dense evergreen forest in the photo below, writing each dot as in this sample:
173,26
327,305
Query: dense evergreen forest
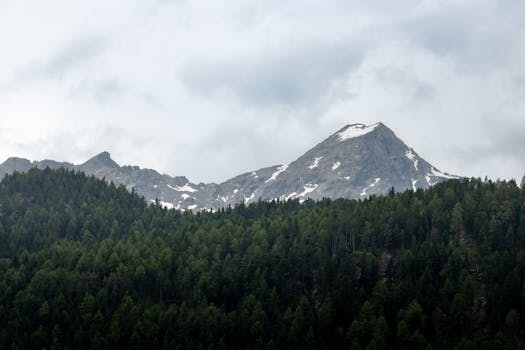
87,265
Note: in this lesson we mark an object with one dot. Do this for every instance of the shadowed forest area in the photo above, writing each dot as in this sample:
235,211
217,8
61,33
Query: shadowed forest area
87,265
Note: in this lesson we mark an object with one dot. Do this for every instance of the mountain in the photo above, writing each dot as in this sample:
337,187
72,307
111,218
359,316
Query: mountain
355,162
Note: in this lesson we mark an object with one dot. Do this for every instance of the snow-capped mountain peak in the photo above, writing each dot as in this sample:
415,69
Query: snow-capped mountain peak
355,162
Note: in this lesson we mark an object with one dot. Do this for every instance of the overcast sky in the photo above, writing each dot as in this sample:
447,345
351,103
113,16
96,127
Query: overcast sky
211,89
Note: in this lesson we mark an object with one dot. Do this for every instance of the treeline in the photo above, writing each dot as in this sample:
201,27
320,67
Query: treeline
87,265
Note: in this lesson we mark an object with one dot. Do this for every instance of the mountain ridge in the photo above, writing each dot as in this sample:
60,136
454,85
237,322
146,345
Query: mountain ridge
354,162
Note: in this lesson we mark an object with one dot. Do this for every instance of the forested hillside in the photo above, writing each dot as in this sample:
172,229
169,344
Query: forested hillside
88,265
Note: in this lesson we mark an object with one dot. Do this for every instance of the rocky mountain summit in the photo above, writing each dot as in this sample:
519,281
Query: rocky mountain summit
355,162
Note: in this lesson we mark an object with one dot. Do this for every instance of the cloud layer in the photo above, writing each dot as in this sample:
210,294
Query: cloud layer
212,90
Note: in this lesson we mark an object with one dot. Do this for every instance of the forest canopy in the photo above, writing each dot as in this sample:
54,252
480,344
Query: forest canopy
88,265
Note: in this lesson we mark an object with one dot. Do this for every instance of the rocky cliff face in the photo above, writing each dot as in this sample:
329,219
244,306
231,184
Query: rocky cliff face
354,162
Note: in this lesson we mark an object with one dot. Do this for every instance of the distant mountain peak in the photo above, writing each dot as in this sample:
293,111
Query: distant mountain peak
103,156
104,159
17,160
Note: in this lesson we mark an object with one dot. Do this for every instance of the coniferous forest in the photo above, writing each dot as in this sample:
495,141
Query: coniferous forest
87,265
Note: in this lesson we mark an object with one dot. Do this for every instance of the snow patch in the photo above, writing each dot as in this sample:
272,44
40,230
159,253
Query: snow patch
247,199
291,195
185,188
307,189
336,165
438,173
185,196
346,177
280,169
315,164
254,174
235,191
355,130
193,206
413,157
377,179
414,181
167,205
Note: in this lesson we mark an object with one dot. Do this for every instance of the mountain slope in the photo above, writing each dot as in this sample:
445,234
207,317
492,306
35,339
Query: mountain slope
354,162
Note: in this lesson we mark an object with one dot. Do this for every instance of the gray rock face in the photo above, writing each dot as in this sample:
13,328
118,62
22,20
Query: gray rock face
14,164
355,162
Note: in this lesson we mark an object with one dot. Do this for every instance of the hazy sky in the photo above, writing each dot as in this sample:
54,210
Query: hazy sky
211,89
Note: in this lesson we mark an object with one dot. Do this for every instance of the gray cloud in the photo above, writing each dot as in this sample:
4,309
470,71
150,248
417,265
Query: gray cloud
68,57
476,37
297,74
507,139
408,80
